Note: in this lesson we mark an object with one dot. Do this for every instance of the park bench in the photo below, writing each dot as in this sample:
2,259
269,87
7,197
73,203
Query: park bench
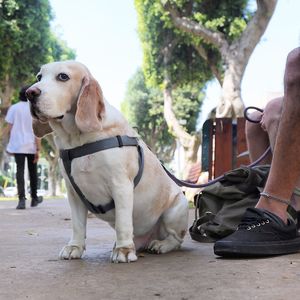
224,146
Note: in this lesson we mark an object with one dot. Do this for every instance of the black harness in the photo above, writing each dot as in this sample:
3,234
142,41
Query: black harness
119,141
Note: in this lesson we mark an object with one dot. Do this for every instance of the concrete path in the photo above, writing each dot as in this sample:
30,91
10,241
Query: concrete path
30,268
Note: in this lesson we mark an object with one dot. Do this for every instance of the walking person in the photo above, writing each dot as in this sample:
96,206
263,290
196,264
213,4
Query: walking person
23,145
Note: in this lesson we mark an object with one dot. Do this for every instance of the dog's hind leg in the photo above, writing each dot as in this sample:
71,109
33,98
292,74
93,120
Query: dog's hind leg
173,227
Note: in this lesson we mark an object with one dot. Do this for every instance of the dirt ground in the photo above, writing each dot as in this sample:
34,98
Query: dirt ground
30,268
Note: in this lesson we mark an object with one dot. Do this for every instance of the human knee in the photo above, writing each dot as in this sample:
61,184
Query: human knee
294,57
272,113
252,129
292,73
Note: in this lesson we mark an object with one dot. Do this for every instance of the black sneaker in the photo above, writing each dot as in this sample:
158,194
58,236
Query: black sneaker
260,233
21,204
36,201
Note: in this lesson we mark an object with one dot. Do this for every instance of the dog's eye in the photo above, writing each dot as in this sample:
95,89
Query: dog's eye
63,77
39,77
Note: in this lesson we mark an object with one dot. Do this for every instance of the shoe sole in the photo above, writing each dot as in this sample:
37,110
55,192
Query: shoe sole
234,249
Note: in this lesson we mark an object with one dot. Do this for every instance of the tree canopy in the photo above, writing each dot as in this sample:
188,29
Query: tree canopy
144,108
26,43
195,39
157,35
171,63
232,30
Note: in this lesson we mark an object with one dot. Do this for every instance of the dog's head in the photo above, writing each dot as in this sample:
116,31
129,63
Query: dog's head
63,88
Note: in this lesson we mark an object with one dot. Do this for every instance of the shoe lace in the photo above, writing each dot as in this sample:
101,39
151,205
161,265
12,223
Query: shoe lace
249,223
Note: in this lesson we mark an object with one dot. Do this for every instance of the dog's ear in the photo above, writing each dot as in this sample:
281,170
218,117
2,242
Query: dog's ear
40,129
90,106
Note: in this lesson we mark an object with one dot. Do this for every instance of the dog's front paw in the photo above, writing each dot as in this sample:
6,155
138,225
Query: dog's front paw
123,255
71,252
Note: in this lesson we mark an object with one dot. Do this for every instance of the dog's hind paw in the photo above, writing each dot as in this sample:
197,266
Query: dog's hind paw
159,247
123,255
71,252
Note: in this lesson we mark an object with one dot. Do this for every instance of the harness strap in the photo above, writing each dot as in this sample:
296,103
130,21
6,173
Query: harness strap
68,155
138,176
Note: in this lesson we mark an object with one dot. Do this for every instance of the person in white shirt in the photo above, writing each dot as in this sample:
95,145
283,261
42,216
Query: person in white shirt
23,144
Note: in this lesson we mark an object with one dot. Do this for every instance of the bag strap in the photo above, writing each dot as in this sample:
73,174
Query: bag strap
197,234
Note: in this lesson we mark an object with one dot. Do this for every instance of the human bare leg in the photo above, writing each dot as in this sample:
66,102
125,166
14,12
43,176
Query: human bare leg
285,168
265,230
262,135
270,123
271,119
257,140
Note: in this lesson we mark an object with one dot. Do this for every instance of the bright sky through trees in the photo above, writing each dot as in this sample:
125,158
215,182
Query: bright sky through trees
104,35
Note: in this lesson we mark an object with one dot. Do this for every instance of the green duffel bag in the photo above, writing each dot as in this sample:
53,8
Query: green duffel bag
220,206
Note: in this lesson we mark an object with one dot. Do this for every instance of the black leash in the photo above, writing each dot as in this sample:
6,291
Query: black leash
191,185
184,183
246,114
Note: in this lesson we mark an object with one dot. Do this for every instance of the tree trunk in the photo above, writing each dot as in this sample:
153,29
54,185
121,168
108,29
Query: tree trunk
190,143
52,177
235,55
52,154
231,103
6,93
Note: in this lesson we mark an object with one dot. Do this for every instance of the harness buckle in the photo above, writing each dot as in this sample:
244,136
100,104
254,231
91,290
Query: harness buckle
120,142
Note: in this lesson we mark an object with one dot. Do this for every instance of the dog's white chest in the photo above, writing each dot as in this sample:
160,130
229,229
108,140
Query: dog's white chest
86,165
92,177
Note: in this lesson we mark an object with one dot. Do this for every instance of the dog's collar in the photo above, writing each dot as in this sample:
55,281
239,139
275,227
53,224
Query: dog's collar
68,155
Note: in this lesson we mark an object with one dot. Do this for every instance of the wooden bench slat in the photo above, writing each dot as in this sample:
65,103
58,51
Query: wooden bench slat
223,146
223,141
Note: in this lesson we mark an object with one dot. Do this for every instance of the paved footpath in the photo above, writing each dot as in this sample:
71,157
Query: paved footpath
30,269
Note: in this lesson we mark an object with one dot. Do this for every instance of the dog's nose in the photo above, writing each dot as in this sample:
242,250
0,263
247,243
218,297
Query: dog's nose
32,93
